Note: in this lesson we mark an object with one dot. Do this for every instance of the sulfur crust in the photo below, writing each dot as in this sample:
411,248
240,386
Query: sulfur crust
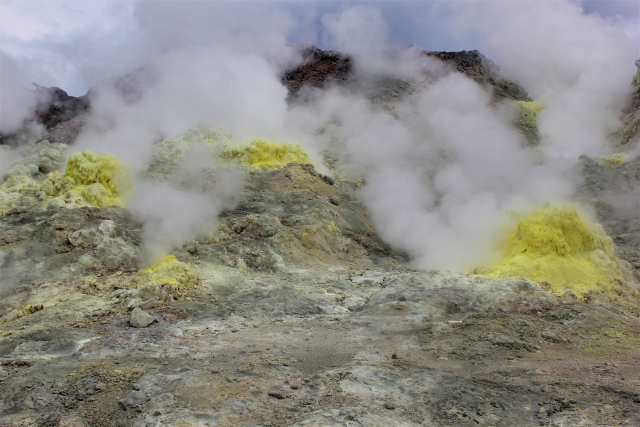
168,272
555,245
613,160
262,154
527,116
92,179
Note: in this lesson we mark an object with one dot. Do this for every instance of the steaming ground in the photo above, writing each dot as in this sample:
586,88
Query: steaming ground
302,315
296,240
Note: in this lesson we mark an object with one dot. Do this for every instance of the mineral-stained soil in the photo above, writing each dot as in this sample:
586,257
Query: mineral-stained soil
302,317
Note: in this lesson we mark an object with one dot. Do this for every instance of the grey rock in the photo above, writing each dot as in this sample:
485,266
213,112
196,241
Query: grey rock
277,394
327,179
134,302
335,200
35,170
45,165
140,318
193,247
82,238
3,375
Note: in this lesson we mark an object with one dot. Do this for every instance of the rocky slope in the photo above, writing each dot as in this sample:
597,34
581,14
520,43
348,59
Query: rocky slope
301,315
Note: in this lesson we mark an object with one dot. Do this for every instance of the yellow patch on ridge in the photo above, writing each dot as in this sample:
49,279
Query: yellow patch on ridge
527,115
169,273
613,160
555,245
262,154
90,179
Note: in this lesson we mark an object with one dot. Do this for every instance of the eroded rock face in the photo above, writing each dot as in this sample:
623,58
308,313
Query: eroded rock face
40,245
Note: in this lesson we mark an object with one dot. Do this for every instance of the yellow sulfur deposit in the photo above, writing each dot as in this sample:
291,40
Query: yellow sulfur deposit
613,160
90,179
527,115
168,274
262,154
555,245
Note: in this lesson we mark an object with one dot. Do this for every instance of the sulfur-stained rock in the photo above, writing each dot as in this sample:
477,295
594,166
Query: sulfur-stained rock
166,279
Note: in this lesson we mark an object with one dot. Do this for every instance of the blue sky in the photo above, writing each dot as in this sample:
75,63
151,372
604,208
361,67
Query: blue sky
72,44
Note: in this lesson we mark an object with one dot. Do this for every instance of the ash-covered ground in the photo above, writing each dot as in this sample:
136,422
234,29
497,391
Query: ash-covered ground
302,315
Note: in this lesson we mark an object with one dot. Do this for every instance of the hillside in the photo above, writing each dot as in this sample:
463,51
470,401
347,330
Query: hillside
289,305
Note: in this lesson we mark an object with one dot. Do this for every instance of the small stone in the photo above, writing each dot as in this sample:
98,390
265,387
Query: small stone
145,305
81,395
389,405
3,375
101,386
134,302
267,231
193,247
551,337
394,356
277,394
327,179
140,318
34,169
334,200
45,165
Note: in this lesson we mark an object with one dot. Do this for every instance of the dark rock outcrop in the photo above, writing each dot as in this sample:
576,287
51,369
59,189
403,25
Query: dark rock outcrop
57,106
319,68
485,72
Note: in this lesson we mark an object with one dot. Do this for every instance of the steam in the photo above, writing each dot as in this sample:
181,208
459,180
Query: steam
578,65
17,103
441,177
441,173
178,90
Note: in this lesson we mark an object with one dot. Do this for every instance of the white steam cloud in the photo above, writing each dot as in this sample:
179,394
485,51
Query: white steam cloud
182,88
17,103
577,65
442,176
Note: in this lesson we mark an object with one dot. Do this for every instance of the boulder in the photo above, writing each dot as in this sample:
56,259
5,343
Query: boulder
140,318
